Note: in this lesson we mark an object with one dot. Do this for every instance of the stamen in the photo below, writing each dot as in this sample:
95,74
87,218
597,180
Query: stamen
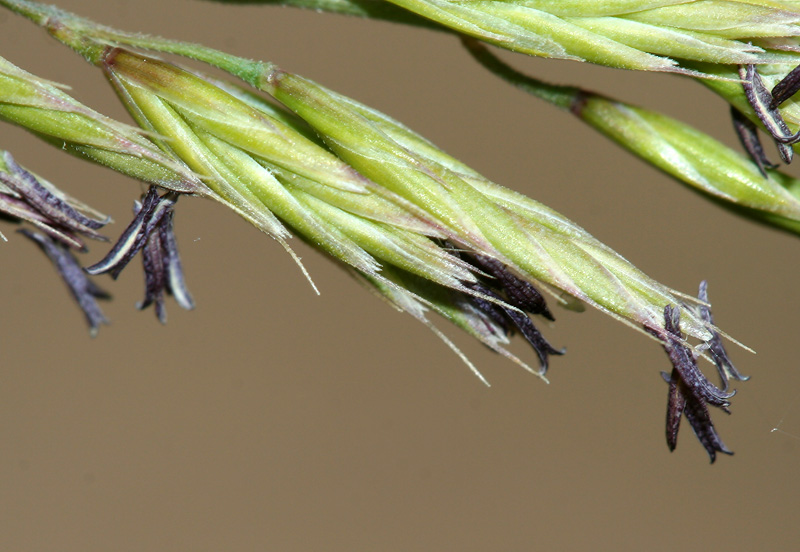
748,136
520,293
760,100
82,288
523,323
689,390
151,231
18,210
155,276
47,203
492,310
786,88
699,419
719,355
684,361
153,208
24,198
676,403
176,283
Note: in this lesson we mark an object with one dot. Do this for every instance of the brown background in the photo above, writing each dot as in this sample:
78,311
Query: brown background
273,419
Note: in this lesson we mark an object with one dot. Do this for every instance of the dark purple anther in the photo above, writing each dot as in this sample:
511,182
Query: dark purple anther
748,136
24,198
82,288
503,315
151,232
690,392
760,99
786,88
718,353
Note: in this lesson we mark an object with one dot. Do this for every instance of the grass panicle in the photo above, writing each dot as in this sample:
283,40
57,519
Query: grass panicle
418,227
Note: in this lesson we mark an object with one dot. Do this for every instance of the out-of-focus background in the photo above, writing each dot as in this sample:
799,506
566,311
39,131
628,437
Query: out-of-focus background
273,419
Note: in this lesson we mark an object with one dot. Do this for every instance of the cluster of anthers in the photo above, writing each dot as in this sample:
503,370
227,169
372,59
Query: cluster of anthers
766,106
516,300
151,232
24,197
690,392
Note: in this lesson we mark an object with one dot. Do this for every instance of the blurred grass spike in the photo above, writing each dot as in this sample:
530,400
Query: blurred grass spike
653,35
692,157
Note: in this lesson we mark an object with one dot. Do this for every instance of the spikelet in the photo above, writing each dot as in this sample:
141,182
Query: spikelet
46,110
